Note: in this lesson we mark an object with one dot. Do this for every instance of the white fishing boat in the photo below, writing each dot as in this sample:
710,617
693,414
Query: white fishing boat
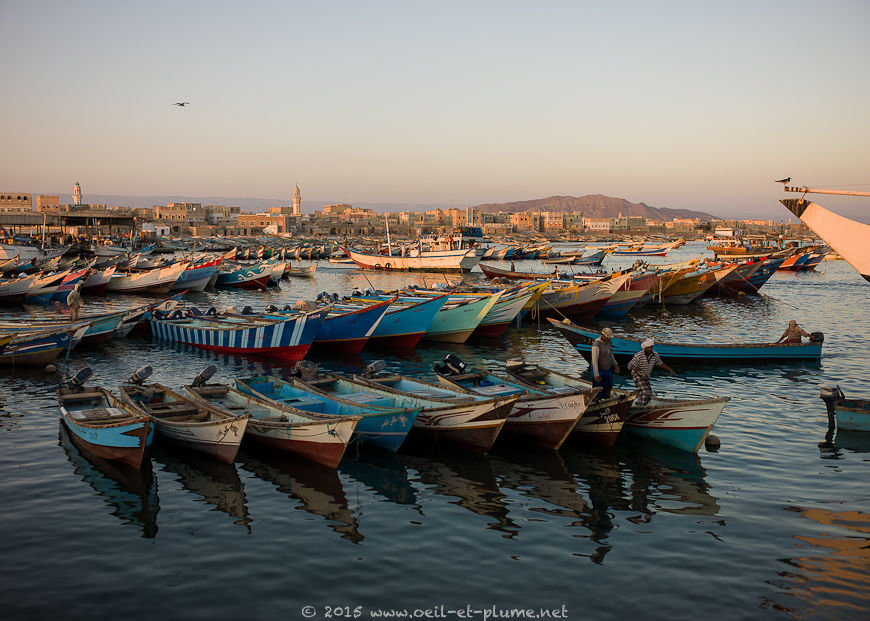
461,260
158,280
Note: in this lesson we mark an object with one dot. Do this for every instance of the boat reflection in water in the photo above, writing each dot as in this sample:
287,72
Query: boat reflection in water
319,489
381,472
130,493
468,478
830,578
215,482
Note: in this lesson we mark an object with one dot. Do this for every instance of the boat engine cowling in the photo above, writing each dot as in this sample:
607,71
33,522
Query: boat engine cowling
204,375
305,370
141,375
451,365
817,337
78,380
374,368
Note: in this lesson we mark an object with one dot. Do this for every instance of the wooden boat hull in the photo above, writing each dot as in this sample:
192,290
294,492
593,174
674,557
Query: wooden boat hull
446,261
99,425
680,424
40,347
348,332
157,281
693,353
603,421
455,323
96,283
319,439
188,423
402,327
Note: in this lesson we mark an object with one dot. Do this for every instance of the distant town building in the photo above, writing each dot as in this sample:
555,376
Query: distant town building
15,202
77,194
47,202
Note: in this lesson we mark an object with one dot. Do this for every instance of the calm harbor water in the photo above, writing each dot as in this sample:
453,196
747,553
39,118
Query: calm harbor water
770,526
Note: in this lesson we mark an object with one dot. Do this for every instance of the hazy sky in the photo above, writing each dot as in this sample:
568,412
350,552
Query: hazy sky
694,104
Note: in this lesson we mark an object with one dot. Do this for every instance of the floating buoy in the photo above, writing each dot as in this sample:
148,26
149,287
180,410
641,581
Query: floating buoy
50,368
712,443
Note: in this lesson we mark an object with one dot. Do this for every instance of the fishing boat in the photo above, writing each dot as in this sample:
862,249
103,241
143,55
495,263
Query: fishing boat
604,418
45,287
383,427
98,327
625,348
470,421
404,324
155,281
185,422
849,414
457,320
96,282
688,287
630,294
545,417
347,329
680,424
197,275
462,260
319,438
308,271
69,283
288,338
580,299
30,254
244,276
101,425
15,290
39,347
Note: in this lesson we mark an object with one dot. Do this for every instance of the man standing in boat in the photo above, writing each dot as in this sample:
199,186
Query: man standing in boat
641,367
603,364
793,334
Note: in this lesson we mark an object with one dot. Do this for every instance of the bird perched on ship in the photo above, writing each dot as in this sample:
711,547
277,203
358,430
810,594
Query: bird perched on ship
181,104
786,180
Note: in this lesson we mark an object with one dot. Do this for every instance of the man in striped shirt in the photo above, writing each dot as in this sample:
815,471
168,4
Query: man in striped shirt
641,367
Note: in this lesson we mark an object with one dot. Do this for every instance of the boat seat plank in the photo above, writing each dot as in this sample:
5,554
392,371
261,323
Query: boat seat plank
95,414
82,396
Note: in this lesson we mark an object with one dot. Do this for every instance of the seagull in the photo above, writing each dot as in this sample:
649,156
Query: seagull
786,180
181,103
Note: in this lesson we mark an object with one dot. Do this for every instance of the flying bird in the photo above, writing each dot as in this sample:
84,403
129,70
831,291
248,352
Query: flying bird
181,103
786,180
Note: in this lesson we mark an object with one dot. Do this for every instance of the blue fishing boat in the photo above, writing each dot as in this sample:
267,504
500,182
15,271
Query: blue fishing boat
383,425
695,353
244,276
404,323
39,347
347,329
101,425
196,277
762,274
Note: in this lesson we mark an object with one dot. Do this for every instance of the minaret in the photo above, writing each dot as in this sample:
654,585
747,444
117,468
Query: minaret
297,201
77,194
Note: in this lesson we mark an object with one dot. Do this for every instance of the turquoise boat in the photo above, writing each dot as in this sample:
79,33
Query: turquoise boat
383,425
103,426
695,353
681,424
850,414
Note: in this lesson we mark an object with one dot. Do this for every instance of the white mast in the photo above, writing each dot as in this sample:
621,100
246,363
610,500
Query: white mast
389,247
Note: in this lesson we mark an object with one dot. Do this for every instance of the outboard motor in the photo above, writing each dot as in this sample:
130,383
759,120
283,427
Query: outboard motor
287,308
211,311
374,368
831,395
194,312
305,370
514,366
247,310
817,337
451,365
177,314
271,308
142,374
204,375
77,381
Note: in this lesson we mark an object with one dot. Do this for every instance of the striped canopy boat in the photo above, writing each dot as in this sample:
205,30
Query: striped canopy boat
288,338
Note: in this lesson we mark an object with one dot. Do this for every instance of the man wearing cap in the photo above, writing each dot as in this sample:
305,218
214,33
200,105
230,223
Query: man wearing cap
602,363
641,367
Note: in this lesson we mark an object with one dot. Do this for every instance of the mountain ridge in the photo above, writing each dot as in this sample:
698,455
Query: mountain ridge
595,206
